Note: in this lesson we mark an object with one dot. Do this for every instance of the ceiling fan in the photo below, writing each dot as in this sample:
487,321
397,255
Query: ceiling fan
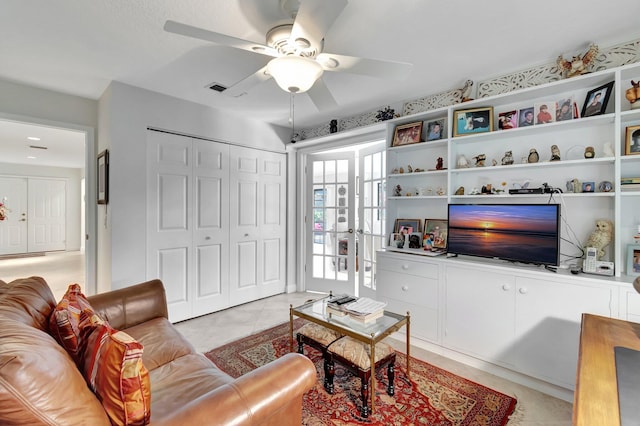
297,50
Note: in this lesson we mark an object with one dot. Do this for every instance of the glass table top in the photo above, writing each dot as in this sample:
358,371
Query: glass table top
318,310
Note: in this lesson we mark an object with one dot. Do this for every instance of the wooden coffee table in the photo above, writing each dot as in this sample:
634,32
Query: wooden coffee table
370,333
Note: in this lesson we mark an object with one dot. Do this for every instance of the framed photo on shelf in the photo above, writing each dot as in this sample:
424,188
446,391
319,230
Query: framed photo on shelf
595,103
588,186
565,110
525,117
632,141
103,177
406,134
435,130
508,120
470,121
407,226
633,259
415,240
545,112
396,240
435,232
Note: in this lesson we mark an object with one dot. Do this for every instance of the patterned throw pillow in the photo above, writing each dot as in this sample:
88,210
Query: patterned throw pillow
110,360
113,368
64,323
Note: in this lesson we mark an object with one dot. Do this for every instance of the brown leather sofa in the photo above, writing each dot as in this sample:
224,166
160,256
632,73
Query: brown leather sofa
41,385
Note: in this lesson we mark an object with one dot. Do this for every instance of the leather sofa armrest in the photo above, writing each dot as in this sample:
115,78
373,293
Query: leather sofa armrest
132,305
269,395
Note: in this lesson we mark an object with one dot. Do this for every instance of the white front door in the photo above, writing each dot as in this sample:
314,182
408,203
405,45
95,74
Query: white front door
330,263
257,228
47,201
13,229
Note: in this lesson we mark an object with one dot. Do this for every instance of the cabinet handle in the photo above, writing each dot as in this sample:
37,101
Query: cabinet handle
405,266
405,288
506,287
523,290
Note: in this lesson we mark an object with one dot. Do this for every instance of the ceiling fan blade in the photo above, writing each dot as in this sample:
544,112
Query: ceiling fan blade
370,67
314,18
225,40
243,86
321,96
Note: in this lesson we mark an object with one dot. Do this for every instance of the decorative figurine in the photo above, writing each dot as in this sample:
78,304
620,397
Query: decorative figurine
633,94
607,149
589,152
605,186
555,153
333,126
385,114
601,236
460,191
474,191
398,191
409,169
395,171
574,185
507,160
439,165
465,92
462,162
577,65
480,159
533,156
401,170
441,191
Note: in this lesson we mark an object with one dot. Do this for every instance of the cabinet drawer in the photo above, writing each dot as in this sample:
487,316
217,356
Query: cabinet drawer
408,288
393,264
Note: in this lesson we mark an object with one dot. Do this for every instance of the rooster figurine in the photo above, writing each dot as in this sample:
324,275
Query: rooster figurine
578,65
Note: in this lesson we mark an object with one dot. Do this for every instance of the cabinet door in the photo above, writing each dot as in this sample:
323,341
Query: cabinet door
479,313
548,316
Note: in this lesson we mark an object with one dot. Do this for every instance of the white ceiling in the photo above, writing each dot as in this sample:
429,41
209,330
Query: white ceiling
79,46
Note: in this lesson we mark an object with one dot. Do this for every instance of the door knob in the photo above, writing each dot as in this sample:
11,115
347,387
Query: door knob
351,230
506,287
523,290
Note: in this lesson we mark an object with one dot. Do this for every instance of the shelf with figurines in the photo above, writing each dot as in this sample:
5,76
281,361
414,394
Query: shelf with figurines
532,165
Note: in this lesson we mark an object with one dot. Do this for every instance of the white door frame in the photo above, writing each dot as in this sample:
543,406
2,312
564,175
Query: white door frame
90,176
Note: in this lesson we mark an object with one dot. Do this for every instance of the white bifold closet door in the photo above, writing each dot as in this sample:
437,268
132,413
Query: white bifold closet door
192,245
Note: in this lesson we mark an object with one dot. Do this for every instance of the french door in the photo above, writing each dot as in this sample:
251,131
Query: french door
344,219
330,223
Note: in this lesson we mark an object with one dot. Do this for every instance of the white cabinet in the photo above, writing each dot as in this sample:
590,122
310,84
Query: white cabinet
410,285
522,322
479,313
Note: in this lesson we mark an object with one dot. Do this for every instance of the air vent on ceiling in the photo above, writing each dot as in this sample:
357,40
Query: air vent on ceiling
218,87
37,147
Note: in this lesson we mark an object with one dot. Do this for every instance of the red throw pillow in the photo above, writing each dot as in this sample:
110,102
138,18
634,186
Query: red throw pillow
113,368
64,323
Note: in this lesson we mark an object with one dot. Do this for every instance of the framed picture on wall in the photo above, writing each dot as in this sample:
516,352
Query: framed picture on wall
103,177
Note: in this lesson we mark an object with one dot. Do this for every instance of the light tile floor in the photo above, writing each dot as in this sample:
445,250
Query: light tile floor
213,330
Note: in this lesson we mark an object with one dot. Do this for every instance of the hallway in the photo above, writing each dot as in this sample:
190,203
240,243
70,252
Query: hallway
59,269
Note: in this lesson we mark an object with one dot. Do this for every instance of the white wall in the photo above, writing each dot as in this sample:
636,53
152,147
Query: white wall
73,209
125,114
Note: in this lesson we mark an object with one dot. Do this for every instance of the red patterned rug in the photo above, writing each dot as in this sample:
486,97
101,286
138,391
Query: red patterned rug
434,396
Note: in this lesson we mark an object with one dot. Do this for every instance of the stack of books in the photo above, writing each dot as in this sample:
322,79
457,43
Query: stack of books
363,309
630,184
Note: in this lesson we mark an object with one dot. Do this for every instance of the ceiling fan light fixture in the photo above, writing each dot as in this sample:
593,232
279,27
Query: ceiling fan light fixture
295,74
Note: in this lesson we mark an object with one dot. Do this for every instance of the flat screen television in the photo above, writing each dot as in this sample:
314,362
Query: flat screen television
527,233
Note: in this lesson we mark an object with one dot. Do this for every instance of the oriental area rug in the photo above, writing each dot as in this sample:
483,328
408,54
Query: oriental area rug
433,397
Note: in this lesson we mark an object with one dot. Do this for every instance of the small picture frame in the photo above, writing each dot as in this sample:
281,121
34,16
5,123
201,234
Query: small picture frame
435,232
526,117
407,226
470,121
508,120
415,240
406,134
396,240
435,130
565,109
632,141
588,187
633,259
595,103
545,112
103,177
